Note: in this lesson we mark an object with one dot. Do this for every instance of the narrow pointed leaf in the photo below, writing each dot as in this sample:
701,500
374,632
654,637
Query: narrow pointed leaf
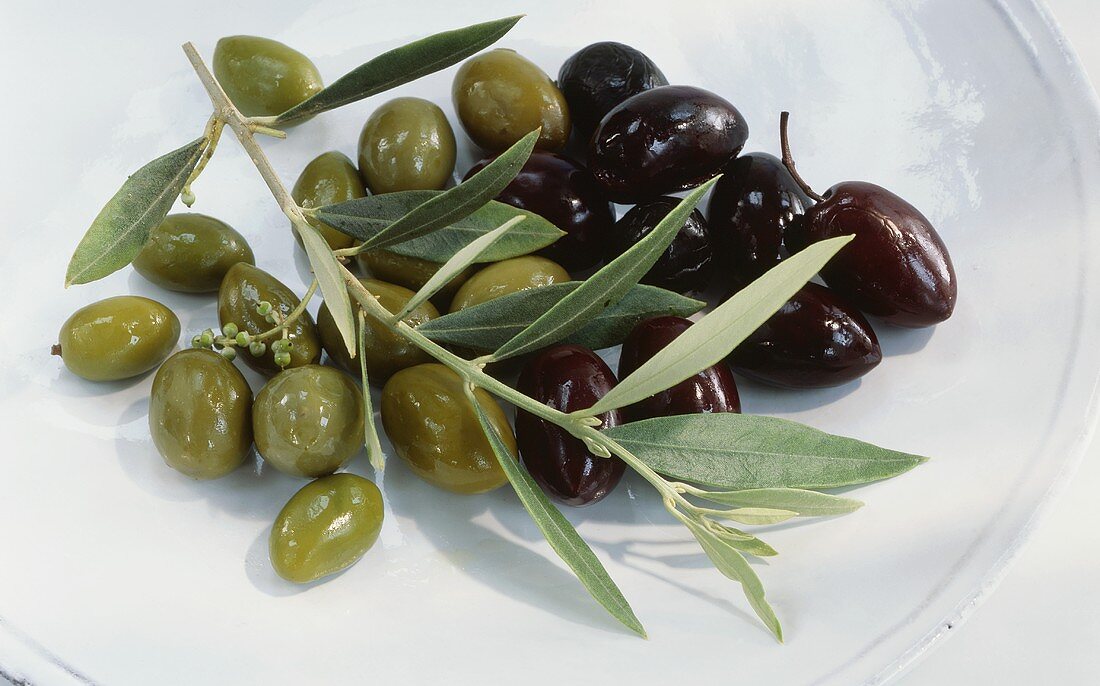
330,277
805,503
559,533
402,65
733,451
452,267
370,429
739,540
757,516
452,205
734,565
363,218
714,336
489,325
120,230
604,288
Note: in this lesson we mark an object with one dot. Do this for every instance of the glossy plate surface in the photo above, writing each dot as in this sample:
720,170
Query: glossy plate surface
116,570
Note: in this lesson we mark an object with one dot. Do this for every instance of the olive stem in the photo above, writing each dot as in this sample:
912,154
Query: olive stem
266,130
211,135
290,317
788,159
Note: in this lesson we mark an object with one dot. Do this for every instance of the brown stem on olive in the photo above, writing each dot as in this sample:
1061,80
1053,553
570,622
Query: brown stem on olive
55,349
788,160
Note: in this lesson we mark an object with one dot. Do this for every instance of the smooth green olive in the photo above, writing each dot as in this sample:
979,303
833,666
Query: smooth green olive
325,527
308,421
508,276
501,96
118,338
406,145
243,288
410,272
387,352
200,414
264,77
435,429
329,179
191,253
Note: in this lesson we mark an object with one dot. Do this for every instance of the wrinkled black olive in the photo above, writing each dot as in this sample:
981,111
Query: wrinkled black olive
598,77
686,263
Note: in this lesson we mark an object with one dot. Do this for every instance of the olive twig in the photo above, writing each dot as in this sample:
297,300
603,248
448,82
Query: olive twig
212,135
283,323
788,159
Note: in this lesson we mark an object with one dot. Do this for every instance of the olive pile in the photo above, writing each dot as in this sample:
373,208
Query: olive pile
641,140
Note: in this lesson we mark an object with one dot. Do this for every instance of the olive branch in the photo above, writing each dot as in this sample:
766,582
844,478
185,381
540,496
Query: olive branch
752,470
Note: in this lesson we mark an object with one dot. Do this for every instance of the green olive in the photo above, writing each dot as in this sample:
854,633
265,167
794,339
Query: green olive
308,421
264,77
191,253
387,352
200,414
406,145
501,96
325,527
410,272
118,338
508,276
243,288
329,179
434,428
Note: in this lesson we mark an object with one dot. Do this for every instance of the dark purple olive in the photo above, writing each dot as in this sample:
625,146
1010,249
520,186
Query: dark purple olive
816,340
686,263
711,390
751,209
897,268
566,378
564,193
664,140
598,77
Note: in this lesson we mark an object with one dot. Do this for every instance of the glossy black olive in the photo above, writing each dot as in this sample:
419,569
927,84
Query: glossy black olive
565,194
567,378
598,77
816,340
664,140
711,390
751,208
686,264
897,268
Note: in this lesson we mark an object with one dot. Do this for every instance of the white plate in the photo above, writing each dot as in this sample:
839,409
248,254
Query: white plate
116,570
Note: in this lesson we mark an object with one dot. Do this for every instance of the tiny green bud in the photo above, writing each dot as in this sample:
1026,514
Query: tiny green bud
244,338
264,307
230,330
257,348
187,197
206,338
229,353
196,342
270,319
279,346
282,359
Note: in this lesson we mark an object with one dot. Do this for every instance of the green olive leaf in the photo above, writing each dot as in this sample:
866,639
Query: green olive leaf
489,325
120,230
734,451
370,430
559,533
401,65
604,288
756,516
711,339
734,565
363,218
452,267
330,277
803,502
739,540
448,207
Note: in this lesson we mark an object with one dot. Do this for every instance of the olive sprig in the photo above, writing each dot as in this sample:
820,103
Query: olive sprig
756,470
